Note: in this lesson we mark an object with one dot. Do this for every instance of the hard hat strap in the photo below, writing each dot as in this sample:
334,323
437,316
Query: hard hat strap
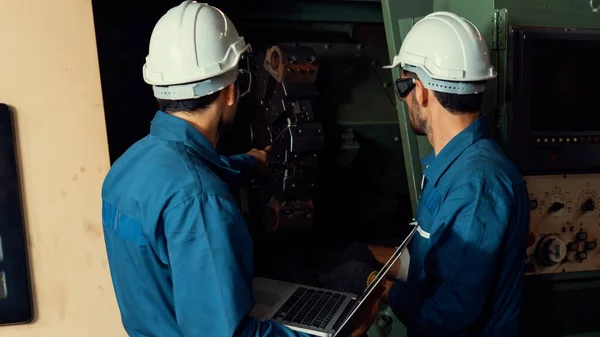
197,89
450,87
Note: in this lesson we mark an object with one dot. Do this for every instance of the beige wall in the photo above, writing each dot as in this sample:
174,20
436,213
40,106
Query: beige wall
49,74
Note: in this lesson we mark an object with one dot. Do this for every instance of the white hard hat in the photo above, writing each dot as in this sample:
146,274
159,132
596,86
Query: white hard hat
194,51
447,52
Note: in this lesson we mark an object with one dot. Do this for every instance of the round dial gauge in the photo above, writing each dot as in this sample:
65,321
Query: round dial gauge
555,205
587,203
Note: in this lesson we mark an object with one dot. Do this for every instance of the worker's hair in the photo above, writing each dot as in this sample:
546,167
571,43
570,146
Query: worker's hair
193,105
454,103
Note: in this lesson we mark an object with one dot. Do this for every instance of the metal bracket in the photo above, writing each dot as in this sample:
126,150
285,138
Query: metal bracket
499,29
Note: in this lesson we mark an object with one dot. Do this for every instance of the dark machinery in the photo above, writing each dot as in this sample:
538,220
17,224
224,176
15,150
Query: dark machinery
287,91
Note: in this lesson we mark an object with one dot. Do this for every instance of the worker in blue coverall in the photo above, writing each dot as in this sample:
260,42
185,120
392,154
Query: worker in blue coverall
180,255
463,270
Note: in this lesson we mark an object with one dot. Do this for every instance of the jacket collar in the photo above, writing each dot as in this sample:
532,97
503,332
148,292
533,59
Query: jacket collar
435,166
171,128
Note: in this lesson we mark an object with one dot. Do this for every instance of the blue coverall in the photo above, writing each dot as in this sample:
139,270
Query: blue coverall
179,252
467,259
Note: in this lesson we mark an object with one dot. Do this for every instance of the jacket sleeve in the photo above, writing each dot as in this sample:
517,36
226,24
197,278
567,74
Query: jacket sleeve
461,262
245,165
241,162
211,261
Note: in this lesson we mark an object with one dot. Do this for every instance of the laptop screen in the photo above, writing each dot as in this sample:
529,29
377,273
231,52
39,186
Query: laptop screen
380,275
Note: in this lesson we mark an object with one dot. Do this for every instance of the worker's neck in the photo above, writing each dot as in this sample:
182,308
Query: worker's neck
444,126
207,122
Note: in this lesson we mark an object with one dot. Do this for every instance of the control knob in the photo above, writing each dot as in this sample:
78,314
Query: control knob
588,205
555,207
550,250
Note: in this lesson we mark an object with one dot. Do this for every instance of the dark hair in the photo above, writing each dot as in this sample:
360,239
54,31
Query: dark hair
193,105
456,104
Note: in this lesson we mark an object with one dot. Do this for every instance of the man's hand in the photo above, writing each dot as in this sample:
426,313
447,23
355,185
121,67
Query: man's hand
382,255
385,297
260,155
367,313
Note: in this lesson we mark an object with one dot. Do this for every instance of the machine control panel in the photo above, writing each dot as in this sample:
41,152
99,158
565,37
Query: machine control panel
564,224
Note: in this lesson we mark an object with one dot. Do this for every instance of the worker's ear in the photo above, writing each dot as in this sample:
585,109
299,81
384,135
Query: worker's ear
422,94
230,94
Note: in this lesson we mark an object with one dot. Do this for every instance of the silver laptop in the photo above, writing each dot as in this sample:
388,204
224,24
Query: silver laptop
315,311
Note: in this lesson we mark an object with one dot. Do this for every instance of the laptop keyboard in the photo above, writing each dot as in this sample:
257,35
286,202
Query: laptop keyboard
310,307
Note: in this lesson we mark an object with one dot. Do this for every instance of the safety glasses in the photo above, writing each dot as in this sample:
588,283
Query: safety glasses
404,86
244,77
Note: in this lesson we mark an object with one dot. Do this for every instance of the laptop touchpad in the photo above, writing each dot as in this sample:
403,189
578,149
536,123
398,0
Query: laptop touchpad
266,298
265,302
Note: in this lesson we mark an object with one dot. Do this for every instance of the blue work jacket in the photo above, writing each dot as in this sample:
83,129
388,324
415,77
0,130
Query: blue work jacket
467,259
179,252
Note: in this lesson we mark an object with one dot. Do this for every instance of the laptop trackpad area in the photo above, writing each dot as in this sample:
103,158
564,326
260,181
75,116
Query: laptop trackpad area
266,298
267,294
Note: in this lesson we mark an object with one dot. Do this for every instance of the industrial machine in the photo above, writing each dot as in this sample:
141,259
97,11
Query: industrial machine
557,138
565,224
287,91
